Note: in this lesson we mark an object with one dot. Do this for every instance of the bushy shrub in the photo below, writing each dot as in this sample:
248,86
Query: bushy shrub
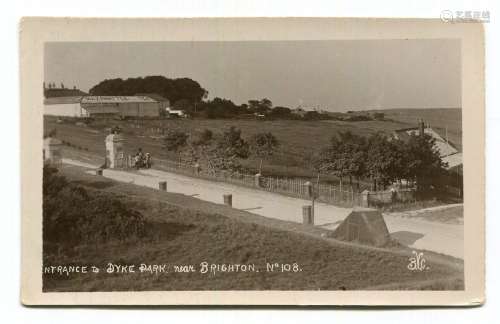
73,216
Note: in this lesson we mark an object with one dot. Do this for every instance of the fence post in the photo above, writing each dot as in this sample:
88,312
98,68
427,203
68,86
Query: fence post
365,198
307,215
228,200
308,186
257,180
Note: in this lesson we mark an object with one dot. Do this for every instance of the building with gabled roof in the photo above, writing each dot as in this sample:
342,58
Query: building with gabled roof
102,106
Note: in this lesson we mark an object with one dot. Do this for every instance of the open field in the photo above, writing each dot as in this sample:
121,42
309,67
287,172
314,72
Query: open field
299,139
219,234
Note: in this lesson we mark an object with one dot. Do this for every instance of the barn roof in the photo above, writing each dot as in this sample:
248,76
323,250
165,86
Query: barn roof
62,100
153,96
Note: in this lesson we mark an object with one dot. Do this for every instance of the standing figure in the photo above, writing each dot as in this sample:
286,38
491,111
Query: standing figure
137,161
148,161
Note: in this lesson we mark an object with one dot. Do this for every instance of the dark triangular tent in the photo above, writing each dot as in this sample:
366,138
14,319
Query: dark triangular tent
365,226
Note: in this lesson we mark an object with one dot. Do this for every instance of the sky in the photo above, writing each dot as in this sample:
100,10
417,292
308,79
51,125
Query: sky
335,75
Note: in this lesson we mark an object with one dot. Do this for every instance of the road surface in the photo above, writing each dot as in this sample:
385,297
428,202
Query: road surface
417,233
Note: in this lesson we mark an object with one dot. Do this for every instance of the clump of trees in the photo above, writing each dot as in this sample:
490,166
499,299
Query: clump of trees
221,151
219,108
188,95
263,145
211,152
382,159
181,92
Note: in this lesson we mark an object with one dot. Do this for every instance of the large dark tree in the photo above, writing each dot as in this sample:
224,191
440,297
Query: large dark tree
220,108
383,156
423,161
383,159
262,106
172,89
344,157
281,113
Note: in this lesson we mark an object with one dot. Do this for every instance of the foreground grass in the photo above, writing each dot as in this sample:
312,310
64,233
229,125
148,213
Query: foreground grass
188,236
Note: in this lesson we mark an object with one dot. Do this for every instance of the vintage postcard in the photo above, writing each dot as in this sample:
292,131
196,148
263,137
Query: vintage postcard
256,161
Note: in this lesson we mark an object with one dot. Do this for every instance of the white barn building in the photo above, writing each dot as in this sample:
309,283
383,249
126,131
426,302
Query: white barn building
64,106
102,106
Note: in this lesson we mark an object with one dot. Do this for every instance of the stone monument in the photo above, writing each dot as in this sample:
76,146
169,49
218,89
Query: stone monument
114,151
52,150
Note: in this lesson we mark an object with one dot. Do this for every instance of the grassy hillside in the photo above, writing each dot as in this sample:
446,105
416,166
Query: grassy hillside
205,232
299,139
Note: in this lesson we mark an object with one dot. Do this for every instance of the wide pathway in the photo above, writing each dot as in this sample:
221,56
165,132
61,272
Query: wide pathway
417,233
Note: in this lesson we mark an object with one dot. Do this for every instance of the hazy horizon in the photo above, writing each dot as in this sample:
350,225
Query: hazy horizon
335,75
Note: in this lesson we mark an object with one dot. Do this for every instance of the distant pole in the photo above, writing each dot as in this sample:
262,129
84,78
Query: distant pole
314,192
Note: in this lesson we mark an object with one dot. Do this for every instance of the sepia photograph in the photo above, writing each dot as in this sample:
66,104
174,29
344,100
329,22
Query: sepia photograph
298,165
256,165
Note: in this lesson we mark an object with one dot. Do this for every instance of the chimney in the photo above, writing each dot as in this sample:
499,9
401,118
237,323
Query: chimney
422,127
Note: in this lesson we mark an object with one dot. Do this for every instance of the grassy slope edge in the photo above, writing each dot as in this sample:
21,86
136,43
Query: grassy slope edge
187,235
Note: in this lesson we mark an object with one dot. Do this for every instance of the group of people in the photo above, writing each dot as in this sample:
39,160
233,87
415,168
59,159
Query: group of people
142,160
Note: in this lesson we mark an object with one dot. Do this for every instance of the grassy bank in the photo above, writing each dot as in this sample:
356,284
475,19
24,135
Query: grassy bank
299,139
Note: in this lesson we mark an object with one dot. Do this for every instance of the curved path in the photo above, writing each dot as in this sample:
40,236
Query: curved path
417,233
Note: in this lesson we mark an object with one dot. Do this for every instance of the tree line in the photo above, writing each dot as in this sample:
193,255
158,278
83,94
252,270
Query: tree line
175,90
188,95
219,151
382,159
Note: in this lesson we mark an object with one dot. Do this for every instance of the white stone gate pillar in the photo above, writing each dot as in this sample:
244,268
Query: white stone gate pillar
52,150
115,157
